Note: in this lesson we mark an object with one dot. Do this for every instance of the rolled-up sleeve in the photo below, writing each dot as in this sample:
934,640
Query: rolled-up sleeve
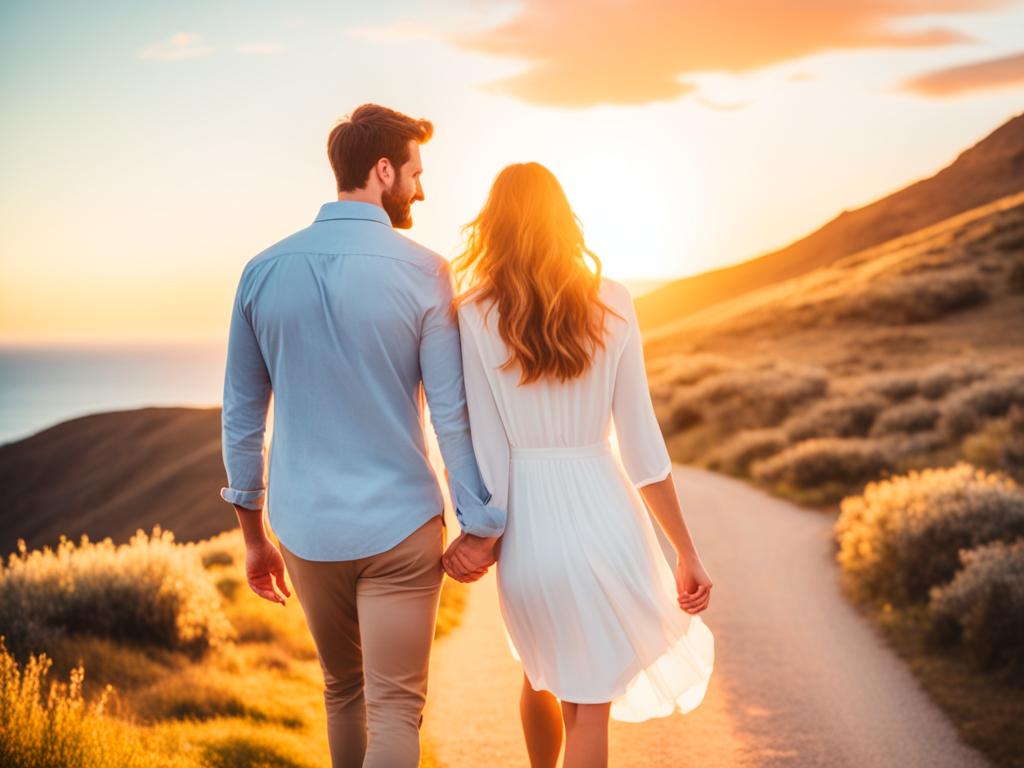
247,391
641,444
441,366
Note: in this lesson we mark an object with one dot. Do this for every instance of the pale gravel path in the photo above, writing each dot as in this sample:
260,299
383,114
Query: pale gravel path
800,678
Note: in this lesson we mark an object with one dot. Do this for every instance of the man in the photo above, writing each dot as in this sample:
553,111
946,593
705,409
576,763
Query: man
343,322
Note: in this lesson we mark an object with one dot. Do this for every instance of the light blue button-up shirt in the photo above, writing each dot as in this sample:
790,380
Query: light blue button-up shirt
347,323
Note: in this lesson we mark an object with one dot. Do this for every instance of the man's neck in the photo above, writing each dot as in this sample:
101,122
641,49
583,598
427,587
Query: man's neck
361,196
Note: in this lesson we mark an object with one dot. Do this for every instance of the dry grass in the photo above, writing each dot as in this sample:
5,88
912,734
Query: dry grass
253,699
911,347
936,560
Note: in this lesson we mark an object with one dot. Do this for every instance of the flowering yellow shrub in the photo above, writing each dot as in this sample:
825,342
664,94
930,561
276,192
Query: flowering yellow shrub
57,728
903,535
148,591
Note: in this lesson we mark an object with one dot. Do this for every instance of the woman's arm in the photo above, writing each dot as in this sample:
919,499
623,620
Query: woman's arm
693,583
646,459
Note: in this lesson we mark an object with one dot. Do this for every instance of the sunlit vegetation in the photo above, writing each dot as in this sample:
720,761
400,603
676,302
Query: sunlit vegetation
870,367
156,653
936,558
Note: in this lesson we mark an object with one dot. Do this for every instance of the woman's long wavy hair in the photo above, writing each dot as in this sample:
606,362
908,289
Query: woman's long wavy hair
525,251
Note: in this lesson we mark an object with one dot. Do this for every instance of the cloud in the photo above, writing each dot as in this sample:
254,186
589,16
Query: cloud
965,78
401,31
178,47
259,49
730,107
586,52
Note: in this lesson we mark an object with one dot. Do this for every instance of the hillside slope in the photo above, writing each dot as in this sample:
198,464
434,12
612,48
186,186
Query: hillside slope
907,354
991,169
110,473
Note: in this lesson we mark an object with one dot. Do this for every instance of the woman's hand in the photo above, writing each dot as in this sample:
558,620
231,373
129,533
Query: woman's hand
693,585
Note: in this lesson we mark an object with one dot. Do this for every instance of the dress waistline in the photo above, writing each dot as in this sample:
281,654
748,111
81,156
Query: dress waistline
601,448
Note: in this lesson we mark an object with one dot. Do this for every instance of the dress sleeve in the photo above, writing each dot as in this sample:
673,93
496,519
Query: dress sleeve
490,441
641,444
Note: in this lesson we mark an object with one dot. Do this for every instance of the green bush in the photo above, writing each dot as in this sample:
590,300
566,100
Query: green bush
835,417
903,535
150,591
940,379
967,409
911,416
746,398
1000,444
823,461
736,455
895,386
983,608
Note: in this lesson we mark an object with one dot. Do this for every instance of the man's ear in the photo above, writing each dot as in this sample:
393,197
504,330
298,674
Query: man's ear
385,171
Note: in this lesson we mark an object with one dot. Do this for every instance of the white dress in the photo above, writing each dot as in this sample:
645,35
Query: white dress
588,599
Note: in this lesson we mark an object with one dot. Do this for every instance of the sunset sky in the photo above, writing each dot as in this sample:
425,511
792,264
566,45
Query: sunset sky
150,149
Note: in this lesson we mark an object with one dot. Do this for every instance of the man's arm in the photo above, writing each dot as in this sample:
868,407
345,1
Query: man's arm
244,414
247,393
441,366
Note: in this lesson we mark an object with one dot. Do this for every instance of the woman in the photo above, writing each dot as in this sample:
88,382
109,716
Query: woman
552,357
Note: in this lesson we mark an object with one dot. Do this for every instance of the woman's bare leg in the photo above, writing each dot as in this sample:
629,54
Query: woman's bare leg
542,726
586,735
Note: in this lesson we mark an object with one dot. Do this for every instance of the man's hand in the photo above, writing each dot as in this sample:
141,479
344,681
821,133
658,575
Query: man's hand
264,566
469,557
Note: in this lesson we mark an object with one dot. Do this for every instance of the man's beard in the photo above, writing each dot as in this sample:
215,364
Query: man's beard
399,209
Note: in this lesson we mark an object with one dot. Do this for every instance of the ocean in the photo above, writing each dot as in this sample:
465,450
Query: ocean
43,385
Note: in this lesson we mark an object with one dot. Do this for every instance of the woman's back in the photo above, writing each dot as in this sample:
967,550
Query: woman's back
549,413
586,595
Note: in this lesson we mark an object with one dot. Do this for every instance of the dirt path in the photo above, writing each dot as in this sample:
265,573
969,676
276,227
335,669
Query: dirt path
800,679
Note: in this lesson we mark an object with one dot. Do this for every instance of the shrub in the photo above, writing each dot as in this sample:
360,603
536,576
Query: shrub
1000,444
911,416
823,461
969,408
914,298
892,385
148,591
736,455
983,607
902,535
939,379
835,417
747,398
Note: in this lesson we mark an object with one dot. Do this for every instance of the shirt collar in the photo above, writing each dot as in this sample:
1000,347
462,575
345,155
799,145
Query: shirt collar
352,209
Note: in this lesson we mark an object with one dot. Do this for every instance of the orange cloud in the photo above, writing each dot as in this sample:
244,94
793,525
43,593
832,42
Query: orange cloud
976,76
586,52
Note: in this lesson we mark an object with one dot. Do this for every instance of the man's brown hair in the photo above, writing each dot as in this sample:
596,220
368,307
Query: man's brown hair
355,145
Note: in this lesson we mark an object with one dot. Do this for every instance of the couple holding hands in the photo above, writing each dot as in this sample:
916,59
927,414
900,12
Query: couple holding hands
534,376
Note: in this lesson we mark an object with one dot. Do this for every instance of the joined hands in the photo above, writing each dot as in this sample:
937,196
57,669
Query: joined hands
468,557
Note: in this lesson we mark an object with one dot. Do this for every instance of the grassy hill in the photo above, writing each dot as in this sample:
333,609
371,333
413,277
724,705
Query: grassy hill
904,355
108,474
991,169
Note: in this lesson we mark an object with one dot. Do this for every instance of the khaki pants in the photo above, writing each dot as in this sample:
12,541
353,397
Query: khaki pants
372,620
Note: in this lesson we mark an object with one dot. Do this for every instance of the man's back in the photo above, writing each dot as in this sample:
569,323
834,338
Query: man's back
342,321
